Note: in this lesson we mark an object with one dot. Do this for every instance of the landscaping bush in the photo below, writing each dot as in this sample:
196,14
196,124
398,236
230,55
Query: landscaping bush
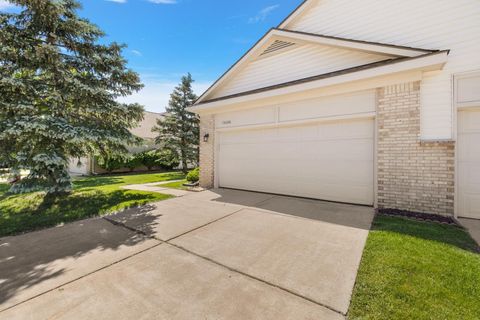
111,163
194,175
164,159
167,159
149,159
134,161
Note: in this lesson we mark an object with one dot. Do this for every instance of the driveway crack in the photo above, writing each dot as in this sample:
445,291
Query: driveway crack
323,305
205,225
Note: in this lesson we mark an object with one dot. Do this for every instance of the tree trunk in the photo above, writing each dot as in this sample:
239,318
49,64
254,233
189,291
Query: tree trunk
184,162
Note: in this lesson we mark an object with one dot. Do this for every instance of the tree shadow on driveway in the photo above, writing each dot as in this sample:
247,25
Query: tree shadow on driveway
37,262
349,215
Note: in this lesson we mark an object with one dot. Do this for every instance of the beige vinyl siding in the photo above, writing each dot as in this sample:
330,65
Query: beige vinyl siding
304,61
429,24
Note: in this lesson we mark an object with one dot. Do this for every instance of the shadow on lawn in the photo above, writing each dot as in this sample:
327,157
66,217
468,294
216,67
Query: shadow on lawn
431,231
97,182
39,261
50,211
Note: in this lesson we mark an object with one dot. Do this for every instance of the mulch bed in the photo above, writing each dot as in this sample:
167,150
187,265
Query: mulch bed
419,216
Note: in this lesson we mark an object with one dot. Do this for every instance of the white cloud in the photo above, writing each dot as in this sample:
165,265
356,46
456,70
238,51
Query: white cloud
163,1
263,14
137,53
156,93
4,5
118,1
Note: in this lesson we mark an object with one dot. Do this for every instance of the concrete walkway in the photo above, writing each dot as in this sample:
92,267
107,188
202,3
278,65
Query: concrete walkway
473,227
157,187
219,254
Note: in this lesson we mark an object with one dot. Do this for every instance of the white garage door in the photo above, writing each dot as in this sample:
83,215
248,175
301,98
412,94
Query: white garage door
330,161
469,164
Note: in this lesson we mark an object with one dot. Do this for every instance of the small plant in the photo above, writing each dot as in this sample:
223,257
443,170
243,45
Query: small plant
194,175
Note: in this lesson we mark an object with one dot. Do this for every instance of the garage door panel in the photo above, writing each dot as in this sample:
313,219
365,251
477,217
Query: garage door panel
335,192
346,130
469,175
470,204
337,150
332,161
468,146
466,153
324,170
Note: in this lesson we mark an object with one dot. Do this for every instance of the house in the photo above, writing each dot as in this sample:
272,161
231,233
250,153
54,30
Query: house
87,166
366,102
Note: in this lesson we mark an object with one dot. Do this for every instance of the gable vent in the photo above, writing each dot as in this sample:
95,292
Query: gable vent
277,45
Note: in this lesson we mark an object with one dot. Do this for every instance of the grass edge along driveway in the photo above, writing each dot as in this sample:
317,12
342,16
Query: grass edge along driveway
417,270
92,196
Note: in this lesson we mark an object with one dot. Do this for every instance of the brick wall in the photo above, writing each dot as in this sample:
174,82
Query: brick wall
412,175
207,125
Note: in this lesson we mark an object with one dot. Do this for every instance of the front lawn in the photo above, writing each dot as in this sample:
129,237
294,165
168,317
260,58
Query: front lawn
91,197
175,185
417,270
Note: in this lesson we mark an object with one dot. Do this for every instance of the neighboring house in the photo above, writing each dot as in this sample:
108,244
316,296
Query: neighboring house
144,130
365,102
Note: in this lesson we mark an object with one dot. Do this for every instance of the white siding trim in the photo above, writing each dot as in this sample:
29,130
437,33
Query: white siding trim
277,124
427,63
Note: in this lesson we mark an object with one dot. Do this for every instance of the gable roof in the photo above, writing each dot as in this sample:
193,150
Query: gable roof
274,34
427,62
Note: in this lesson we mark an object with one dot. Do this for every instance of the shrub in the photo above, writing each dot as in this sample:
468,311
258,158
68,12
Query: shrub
167,159
134,161
149,159
111,163
194,175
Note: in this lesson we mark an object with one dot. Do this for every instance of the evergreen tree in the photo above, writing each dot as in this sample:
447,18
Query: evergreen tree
59,90
179,130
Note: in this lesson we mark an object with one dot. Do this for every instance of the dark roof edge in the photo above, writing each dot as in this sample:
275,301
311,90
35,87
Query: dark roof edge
357,41
323,76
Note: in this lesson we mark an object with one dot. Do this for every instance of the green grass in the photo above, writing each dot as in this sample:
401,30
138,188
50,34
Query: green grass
91,197
175,185
417,270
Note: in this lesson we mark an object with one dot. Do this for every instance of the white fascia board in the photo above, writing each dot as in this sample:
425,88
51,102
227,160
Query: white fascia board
428,63
352,45
297,12
252,53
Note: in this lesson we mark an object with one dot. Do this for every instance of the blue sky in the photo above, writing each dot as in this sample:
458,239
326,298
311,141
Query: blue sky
168,38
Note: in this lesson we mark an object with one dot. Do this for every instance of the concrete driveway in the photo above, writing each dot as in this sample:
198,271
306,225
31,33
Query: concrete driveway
220,254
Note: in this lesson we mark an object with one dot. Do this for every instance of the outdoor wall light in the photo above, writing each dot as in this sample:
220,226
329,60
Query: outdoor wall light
205,137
